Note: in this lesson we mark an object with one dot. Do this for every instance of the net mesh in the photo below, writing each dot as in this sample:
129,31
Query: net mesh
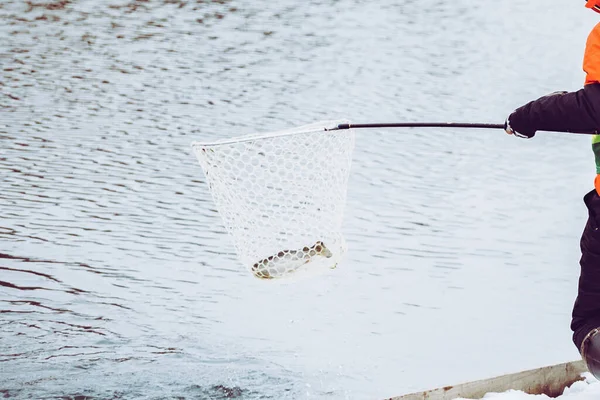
282,196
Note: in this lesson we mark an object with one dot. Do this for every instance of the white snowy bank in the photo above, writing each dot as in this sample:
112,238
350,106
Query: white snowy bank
589,389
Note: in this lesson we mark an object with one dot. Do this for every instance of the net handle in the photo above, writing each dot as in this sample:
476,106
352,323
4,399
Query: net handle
437,125
418,125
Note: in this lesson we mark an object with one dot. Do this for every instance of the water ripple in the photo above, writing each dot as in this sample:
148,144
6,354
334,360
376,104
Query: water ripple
117,278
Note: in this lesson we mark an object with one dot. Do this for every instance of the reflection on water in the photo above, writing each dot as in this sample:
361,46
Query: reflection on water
117,279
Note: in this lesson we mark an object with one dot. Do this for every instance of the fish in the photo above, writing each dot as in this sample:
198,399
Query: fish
289,260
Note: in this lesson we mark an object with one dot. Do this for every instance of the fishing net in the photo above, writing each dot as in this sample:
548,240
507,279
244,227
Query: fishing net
281,196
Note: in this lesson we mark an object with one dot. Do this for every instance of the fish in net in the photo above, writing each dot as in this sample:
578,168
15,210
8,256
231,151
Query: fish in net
281,196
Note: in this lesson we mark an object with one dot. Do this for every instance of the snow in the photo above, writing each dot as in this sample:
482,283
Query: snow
588,389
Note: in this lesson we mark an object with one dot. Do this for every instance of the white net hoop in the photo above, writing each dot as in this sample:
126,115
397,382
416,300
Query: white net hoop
282,196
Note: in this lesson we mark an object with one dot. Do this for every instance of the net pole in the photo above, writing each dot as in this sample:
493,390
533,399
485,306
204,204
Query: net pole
439,125
419,125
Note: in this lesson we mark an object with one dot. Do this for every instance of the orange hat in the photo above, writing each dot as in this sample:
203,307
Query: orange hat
593,4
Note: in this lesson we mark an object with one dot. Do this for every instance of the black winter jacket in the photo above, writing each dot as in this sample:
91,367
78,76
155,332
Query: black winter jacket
575,112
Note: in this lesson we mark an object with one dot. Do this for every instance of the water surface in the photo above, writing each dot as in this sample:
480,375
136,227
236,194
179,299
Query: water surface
117,279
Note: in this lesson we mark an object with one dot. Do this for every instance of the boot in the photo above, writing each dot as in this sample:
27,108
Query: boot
590,352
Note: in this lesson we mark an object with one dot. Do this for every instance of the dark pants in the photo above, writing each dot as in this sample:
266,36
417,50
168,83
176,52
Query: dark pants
586,311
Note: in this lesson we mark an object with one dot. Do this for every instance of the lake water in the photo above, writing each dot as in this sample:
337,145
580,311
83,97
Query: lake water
118,280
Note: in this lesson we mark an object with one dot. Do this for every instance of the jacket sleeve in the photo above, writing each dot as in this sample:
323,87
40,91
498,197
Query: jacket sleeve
575,112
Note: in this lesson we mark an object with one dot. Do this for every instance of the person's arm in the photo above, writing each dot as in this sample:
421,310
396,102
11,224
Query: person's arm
576,112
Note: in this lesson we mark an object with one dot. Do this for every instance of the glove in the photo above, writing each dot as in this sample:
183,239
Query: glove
511,131
527,117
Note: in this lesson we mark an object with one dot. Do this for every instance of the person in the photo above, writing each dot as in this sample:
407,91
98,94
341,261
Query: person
577,112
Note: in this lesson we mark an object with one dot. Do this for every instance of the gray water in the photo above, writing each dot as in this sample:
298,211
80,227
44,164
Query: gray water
117,279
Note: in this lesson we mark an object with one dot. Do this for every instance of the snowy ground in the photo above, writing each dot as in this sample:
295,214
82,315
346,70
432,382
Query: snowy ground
584,390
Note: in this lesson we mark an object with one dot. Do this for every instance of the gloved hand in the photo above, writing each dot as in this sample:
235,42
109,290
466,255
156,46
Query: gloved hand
527,118
511,131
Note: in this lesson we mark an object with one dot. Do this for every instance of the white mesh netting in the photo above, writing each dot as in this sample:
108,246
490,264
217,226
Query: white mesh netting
282,196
